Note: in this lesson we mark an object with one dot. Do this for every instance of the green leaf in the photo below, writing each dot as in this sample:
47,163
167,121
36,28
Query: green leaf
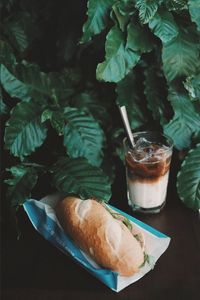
188,180
6,55
91,103
3,106
21,30
176,5
192,85
98,13
196,138
59,85
119,60
122,12
108,167
120,19
184,123
164,26
83,136
20,185
139,38
180,56
77,176
117,138
13,86
147,9
127,95
67,44
29,80
46,115
154,94
58,121
194,9
24,130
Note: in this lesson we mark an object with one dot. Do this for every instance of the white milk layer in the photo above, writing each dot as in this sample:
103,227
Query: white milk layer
148,195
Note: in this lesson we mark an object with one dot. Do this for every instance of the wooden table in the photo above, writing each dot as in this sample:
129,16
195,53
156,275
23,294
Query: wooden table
34,269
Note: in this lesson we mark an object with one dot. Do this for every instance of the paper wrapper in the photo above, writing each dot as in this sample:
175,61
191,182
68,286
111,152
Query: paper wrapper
42,216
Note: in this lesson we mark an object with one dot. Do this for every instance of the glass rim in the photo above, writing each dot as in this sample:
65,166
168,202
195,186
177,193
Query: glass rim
168,150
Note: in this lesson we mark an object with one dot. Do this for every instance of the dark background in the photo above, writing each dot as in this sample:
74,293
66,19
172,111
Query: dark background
31,268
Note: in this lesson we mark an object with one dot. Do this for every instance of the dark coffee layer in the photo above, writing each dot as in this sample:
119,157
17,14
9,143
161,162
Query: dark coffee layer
149,170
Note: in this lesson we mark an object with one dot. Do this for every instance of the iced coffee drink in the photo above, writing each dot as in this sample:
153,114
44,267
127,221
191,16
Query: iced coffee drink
147,171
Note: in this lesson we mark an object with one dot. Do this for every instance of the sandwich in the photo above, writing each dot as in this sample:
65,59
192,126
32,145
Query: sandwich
107,237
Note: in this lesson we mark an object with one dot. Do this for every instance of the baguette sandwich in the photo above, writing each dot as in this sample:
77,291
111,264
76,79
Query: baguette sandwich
102,234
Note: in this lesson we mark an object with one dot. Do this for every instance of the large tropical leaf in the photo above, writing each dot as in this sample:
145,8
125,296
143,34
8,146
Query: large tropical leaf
108,167
147,9
32,81
3,106
153,89
67,43
91,103
24,130
188,180
185,121
194,9
164,26
13,86
58,121
192,84
176,5
59,85
122,12
83,137
21,30
139,38
180,56
77,176
56,118
46,115
20,185
116,138
119,59
98,13
127,94
6,55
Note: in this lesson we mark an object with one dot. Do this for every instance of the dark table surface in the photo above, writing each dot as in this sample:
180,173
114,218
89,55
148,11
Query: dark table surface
34,269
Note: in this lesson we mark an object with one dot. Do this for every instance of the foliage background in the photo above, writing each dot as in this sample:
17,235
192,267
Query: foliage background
66,65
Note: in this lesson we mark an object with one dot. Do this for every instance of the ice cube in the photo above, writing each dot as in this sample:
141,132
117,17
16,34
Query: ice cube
142,143
161,152
146,151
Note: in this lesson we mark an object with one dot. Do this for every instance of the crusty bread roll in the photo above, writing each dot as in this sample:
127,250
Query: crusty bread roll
107,240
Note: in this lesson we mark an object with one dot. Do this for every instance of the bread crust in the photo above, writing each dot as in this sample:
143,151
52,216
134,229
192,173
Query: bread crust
107,240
